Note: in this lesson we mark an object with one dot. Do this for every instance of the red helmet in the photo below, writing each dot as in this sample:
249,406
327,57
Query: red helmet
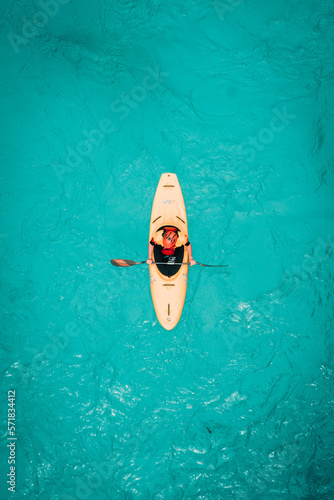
169,239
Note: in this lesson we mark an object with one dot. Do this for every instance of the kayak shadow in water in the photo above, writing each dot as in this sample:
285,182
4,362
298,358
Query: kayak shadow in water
168,269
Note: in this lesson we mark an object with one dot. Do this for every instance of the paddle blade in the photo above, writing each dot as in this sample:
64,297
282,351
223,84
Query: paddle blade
125,262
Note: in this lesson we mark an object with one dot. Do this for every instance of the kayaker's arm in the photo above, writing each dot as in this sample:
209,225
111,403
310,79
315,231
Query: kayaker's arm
190,254
150,253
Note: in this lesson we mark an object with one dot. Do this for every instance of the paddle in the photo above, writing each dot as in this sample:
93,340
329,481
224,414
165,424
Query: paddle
129,263
125,263
213,265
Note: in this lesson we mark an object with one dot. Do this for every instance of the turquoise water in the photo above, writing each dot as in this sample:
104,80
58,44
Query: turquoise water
98,100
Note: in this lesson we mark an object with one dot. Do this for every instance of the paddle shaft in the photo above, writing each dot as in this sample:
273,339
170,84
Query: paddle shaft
129,263
171,263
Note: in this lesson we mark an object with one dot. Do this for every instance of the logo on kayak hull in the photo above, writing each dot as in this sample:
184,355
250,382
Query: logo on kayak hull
152,280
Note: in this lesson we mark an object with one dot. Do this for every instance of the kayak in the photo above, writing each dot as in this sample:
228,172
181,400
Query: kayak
168,282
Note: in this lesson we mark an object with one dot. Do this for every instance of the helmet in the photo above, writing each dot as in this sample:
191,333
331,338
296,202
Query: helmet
169,239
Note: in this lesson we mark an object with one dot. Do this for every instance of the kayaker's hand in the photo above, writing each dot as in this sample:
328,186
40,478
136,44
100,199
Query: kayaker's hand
149,261
192,262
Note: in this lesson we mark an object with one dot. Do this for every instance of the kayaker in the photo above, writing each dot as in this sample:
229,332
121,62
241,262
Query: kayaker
169,239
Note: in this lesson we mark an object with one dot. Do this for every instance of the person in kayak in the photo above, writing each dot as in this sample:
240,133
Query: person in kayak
169,239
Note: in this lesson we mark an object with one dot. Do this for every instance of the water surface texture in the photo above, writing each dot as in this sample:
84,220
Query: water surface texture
98,99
